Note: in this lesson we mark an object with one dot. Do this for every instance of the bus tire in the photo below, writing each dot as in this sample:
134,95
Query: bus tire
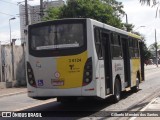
41,98
136,88
117,91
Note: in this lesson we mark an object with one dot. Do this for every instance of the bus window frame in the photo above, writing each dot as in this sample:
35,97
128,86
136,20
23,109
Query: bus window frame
134,47
101,30
118,36
99,51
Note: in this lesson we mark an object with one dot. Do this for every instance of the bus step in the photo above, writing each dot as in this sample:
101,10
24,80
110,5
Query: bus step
128,88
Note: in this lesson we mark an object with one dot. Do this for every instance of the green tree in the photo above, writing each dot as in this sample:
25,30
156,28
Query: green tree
147,53
154,4
152,47
129,27
117,6
106,11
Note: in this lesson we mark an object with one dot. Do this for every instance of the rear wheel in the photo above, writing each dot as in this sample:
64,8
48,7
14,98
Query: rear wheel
117,91
41,98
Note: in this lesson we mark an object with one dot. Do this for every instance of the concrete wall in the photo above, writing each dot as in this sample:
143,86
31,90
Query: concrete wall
17,77
6,63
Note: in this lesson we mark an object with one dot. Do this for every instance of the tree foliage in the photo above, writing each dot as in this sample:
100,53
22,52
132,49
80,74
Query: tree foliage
153,3
106,11
149,2
129,27
152,47
147,53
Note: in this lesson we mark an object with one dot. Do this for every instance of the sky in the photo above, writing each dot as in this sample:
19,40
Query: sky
138,15
10,9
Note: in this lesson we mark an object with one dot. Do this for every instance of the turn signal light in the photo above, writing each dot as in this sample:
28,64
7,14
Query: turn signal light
87,76
30,75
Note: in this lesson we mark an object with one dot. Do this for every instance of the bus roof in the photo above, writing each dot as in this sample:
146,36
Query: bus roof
118,30
109,27
134,35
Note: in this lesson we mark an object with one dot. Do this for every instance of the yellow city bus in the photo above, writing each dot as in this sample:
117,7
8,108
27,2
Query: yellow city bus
71,58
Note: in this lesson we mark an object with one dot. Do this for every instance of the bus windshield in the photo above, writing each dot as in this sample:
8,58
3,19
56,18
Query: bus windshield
57,36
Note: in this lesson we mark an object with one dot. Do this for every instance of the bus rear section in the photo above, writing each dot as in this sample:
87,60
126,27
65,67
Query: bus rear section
58,63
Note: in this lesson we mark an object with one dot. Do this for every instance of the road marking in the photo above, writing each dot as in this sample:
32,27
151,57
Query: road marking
31,106
14,93
143,109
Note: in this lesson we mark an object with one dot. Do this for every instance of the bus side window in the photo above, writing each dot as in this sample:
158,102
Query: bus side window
98,43
136,49
116,46
133,48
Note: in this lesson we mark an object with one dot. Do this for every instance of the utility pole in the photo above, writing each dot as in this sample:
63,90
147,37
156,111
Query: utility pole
126,19
26,12
41,8
12,51
126,26
156,48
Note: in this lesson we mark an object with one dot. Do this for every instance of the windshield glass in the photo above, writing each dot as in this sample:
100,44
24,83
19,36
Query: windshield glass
57,36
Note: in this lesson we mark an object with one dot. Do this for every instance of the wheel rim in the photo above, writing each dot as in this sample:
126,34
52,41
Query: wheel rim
137,84
117,91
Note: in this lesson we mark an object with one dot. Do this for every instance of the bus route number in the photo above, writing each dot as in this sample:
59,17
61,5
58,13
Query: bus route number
75,60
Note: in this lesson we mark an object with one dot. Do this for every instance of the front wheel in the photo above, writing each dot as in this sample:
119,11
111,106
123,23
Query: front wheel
117,91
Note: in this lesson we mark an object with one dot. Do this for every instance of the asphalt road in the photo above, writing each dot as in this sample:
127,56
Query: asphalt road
87,109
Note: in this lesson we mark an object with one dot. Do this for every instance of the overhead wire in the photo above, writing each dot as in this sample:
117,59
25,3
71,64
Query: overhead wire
8,3
6,14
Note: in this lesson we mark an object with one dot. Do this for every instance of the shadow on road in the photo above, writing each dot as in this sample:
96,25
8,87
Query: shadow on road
89,107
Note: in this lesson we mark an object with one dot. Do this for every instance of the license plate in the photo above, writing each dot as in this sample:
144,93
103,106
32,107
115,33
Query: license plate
57,83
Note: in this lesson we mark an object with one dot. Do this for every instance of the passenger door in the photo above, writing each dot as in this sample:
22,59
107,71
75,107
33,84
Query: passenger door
106,50
126,59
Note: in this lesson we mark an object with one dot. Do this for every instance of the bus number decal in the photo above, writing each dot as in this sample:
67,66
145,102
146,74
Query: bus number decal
75,60
74,65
